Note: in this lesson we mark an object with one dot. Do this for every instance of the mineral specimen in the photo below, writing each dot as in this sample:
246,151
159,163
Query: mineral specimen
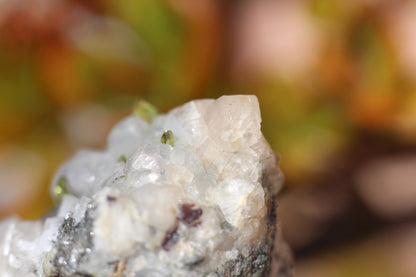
188,194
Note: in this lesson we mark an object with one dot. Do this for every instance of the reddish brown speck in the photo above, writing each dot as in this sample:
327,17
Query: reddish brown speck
189,216
171,238
111,198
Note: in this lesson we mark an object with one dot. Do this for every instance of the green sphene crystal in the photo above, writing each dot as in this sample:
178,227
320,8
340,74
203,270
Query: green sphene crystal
168,138
122,159
61,189
145,110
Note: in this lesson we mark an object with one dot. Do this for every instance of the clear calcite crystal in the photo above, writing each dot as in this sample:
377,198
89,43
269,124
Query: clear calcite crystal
189,194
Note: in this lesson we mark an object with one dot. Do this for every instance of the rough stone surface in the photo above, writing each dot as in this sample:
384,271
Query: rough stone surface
189,194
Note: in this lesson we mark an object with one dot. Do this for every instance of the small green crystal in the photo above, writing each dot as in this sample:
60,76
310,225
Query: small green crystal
120,177
145,110
61,189
168,138
122,159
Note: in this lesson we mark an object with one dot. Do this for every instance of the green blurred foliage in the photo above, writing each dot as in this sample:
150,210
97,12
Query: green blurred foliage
73,55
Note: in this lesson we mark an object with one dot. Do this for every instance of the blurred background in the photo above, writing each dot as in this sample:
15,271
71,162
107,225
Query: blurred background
336,81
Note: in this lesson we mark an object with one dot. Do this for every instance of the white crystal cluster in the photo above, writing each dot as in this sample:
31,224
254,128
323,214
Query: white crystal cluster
189,194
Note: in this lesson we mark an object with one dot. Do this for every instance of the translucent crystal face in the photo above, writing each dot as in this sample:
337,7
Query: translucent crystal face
173,195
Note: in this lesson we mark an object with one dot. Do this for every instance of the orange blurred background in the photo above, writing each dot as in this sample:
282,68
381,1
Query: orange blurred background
336,81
